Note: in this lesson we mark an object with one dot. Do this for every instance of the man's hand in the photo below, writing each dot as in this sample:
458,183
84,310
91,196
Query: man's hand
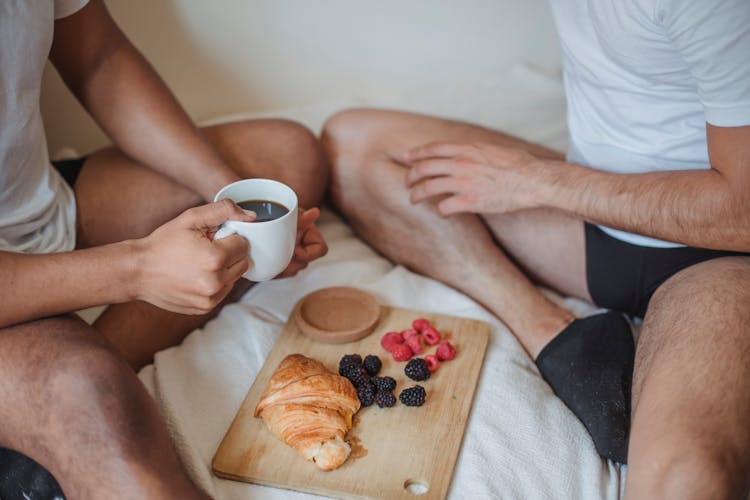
310,243
477,178
182,269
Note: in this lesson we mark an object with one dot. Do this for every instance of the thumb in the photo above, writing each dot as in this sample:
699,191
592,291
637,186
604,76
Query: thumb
212,215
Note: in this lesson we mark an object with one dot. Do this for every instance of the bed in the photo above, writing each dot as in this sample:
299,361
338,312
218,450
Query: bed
520,441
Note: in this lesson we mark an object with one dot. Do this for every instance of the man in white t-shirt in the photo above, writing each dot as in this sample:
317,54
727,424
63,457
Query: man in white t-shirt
648,215
116,228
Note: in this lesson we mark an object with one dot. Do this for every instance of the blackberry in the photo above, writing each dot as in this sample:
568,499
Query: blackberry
413,396
368,385
372,364
356,374
349,359
385,399
416,369
366,394
384,383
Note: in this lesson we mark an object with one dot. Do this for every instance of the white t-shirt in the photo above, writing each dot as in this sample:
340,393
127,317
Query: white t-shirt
643,77
37,208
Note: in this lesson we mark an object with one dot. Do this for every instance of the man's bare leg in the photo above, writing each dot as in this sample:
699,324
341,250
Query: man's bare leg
577,358
120,199
691,407
462,251
71,403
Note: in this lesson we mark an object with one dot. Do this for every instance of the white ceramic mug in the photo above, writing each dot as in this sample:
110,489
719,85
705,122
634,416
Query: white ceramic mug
271,242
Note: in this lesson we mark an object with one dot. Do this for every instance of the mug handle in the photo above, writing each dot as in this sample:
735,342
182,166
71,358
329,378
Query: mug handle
226,229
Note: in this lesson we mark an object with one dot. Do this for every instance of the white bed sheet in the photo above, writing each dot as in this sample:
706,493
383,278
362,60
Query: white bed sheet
521,441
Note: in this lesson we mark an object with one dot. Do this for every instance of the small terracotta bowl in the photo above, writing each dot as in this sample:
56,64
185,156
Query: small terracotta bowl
337,315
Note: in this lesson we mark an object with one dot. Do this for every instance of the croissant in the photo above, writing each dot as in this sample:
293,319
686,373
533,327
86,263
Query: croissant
310,409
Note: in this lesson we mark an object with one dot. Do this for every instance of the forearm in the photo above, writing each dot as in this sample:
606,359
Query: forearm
699,208
145,121
36,286
131,103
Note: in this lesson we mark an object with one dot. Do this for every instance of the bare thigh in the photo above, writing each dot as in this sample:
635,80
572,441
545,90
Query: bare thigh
690,436
548,245
118,198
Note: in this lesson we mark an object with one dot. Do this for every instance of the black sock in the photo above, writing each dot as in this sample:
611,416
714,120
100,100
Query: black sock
21,477
590,367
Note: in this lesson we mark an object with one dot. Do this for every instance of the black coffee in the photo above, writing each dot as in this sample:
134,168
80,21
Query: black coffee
265,210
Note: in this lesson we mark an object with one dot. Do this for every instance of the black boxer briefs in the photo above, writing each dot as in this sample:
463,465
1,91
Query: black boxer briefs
69,169
623,276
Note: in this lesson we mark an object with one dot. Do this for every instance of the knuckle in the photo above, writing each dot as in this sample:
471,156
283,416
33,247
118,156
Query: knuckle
226,204
189,215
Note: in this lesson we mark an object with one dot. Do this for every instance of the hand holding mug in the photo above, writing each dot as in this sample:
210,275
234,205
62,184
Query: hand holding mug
309,245
182,269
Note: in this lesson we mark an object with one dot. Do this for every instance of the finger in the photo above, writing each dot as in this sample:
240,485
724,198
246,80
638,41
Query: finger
454,205
178,308
433,187
311,250
212,215
307,218
293,268
435,167
232,248
312,245
221,294
235,271
434,150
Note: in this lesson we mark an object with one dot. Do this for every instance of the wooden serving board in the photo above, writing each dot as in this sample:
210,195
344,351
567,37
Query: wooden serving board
395,451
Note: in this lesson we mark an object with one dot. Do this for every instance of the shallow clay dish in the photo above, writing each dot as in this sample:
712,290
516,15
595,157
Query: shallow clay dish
337,315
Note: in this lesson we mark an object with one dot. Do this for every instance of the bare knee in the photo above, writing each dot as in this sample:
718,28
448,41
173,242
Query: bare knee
352,140
304,166
279,149
351,135
91,386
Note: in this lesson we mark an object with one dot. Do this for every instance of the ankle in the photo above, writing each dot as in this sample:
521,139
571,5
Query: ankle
538,330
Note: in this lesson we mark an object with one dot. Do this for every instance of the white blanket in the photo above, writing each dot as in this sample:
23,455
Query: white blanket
521,441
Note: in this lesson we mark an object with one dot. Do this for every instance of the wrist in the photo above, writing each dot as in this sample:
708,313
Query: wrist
548,183
131,268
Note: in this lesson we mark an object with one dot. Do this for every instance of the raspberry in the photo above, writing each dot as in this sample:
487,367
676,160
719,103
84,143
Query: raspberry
366,394
432,362
413,396
391,339
372,365
401,352
356,374
384,383
414,344
408,333
420,324
349,359
417,369
385,399
446,352
431,335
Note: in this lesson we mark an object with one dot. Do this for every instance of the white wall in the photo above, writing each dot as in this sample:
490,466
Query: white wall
229,56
